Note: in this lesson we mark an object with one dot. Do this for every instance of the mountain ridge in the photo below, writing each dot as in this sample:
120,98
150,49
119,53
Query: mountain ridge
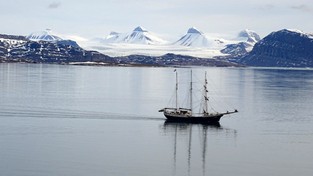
195,43
29,51
283,48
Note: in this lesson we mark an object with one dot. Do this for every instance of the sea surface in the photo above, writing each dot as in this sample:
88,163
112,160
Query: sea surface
95,121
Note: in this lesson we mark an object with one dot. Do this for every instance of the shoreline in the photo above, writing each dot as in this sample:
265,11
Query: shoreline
105,64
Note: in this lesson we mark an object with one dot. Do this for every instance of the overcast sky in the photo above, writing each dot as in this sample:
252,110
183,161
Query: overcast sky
168,18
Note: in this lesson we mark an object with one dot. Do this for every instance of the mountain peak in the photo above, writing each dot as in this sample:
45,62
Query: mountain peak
43,36
194,38
252,36
194,30
295,32
140,29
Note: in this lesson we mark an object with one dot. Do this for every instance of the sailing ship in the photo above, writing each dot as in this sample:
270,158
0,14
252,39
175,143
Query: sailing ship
183,114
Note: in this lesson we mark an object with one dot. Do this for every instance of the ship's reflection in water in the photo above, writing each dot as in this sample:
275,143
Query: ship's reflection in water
191,145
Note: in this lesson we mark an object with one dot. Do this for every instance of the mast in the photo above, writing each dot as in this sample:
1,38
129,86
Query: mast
191,91
206,99
176,89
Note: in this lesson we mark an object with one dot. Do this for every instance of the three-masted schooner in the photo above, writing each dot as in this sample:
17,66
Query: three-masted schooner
179,114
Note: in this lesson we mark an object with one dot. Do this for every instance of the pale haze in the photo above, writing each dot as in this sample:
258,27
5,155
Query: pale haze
168,18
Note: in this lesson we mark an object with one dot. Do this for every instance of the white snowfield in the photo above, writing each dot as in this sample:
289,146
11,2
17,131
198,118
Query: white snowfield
142,42
125,49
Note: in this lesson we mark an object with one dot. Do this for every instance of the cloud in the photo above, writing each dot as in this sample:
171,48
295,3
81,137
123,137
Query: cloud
302,7
54,5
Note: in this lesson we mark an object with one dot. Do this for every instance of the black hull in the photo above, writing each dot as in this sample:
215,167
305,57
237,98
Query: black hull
216,125
204,120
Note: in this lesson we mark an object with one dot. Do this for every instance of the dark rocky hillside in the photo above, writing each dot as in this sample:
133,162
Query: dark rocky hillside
284,48
20,49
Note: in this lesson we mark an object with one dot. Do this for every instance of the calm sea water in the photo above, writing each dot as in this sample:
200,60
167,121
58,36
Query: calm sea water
80,120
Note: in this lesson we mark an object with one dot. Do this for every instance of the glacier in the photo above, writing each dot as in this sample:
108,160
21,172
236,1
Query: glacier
195,43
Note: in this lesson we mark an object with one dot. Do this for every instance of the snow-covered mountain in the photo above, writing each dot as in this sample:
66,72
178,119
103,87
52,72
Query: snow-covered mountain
249,36
20,49
242,44
239,45
194,38
194,43
46,36
43,36
114,37
284,48
138,36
